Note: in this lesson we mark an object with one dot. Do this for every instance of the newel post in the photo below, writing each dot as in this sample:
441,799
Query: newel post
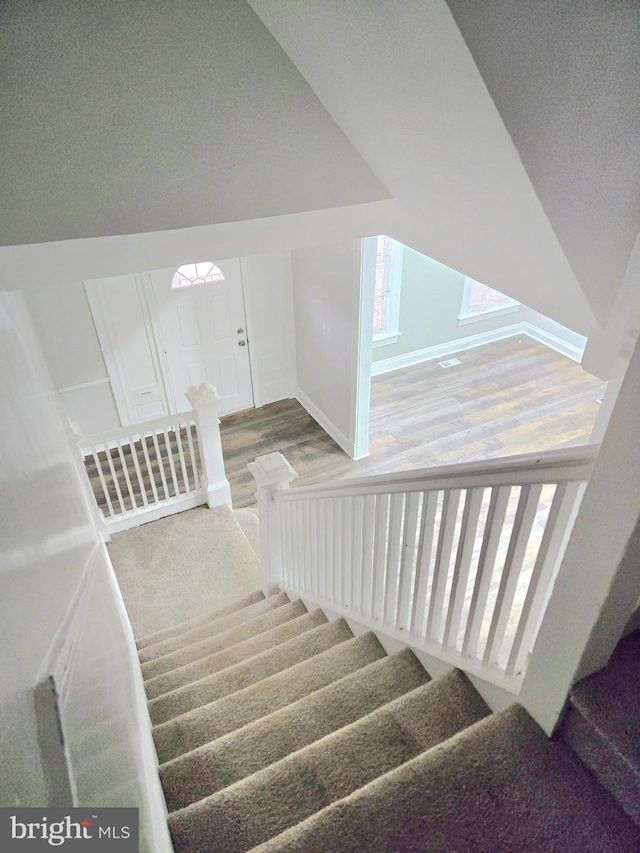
271,472
204,400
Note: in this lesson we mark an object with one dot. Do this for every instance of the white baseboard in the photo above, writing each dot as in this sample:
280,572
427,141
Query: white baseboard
327,425
569,348
572,350
445,350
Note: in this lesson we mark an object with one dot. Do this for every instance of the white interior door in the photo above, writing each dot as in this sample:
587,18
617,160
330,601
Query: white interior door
202,328
119,311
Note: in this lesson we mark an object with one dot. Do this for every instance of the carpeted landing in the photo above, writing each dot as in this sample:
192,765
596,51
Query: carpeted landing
277,730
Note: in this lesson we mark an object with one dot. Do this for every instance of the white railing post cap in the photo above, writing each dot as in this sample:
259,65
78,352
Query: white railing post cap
270,469
205,393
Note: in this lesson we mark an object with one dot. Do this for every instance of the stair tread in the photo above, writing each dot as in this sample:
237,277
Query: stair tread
191,730
610,699
499,785
237,755
317,637
194,651
211,628
211,664
174,630
285,793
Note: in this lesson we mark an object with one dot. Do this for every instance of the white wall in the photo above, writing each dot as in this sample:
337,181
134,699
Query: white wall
403,86
68,338
565,78
123,118
48,546
326,285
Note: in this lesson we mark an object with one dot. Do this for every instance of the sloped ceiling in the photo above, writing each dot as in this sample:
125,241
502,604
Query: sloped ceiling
400,81
565,77
123,116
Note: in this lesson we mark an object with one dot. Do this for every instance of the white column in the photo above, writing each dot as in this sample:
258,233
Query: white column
205,399
73,436
271,472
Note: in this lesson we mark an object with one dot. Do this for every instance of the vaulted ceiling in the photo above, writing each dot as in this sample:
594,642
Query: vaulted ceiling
505,133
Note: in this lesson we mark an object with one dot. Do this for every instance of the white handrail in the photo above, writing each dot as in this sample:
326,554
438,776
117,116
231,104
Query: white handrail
573,464
146,428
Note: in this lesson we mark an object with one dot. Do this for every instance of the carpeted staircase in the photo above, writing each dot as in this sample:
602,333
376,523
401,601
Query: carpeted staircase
279,731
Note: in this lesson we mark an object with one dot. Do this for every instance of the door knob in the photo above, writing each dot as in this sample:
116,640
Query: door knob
240,331
242,343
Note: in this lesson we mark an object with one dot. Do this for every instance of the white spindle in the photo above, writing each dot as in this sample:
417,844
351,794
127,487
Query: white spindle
525,516
320,547
423,561
172,467
407,562
183,466
368,550
127,478
150,471
337,549
156,447
466,542
136,465
299,553
394,550
114,477
346,564
307,546
357,551
486,562
380,556
103,484
443,560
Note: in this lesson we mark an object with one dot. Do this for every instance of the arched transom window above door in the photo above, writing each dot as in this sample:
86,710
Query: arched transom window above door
189,274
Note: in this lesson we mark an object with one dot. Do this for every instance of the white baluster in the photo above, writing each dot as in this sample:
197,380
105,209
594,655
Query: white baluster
470,518
205,399
423,561
272,473
407,565
448,520
525,516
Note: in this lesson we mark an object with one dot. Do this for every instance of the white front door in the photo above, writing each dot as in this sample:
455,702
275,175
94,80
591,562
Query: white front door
202,329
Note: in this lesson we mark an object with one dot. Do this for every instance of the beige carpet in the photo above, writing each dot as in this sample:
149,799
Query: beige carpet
319,741
181,567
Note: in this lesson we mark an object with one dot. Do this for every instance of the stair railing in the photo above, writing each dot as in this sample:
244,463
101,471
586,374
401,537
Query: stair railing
156,468
455,561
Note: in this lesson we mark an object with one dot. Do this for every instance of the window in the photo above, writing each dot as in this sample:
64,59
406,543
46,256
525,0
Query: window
478,300
189,274
386,304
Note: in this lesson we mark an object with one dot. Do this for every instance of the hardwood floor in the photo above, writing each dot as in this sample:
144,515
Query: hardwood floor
513,396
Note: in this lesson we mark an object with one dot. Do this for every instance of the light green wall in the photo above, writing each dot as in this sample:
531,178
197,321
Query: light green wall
430,300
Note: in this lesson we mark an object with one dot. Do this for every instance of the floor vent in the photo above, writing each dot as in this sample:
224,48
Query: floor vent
450,362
